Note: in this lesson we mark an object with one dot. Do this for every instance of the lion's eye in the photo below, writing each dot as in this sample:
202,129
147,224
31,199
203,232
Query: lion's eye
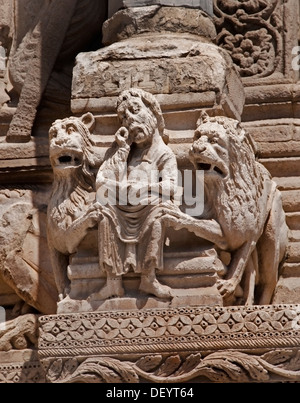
135,109
214,140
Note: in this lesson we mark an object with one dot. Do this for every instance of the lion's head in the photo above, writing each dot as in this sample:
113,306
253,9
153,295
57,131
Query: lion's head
71,146
72,159
232,175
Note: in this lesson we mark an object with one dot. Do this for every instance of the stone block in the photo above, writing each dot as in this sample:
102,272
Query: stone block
140,20
205,5
205,296
164,65
287,290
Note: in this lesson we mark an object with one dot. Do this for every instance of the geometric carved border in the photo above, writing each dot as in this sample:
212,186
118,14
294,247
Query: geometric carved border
22,373
21,366
198,344
165,330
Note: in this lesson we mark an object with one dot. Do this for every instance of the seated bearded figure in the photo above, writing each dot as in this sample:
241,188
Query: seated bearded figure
135,185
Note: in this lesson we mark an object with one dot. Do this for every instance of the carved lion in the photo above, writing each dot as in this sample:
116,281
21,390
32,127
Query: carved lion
243,210
71,210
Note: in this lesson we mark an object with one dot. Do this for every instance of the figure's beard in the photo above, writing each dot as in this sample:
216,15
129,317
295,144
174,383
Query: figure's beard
140,132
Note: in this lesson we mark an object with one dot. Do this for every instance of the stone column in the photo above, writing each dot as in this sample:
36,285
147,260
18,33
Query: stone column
168,50
205,5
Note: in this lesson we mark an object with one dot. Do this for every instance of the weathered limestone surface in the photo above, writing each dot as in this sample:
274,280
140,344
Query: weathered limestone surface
21,367
254,344
174,74
234,59
205,5
157,19
41,55
174,59
24,252
20,333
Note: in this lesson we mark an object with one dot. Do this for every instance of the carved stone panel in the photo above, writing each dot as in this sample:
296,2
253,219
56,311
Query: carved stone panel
153,236
113,236
254,344
21,367
259,35
225,367
253,34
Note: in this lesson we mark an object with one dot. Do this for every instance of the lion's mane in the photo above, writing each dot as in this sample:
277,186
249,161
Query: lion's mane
239,192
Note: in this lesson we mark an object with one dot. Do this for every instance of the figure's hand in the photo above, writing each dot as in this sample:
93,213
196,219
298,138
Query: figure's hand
122,137
94,214
226,287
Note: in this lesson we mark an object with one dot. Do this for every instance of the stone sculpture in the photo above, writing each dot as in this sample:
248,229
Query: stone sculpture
19,333
145,172
218,340
71,211
244,213
40,66
149,291
132,203
255,49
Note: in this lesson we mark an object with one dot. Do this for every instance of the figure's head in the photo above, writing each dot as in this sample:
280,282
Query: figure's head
219,142
141,114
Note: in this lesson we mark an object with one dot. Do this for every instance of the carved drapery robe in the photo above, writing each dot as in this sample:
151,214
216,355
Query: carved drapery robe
131,234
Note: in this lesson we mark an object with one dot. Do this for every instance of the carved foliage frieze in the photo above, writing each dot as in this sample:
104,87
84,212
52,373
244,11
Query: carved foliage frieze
228,366
252,31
